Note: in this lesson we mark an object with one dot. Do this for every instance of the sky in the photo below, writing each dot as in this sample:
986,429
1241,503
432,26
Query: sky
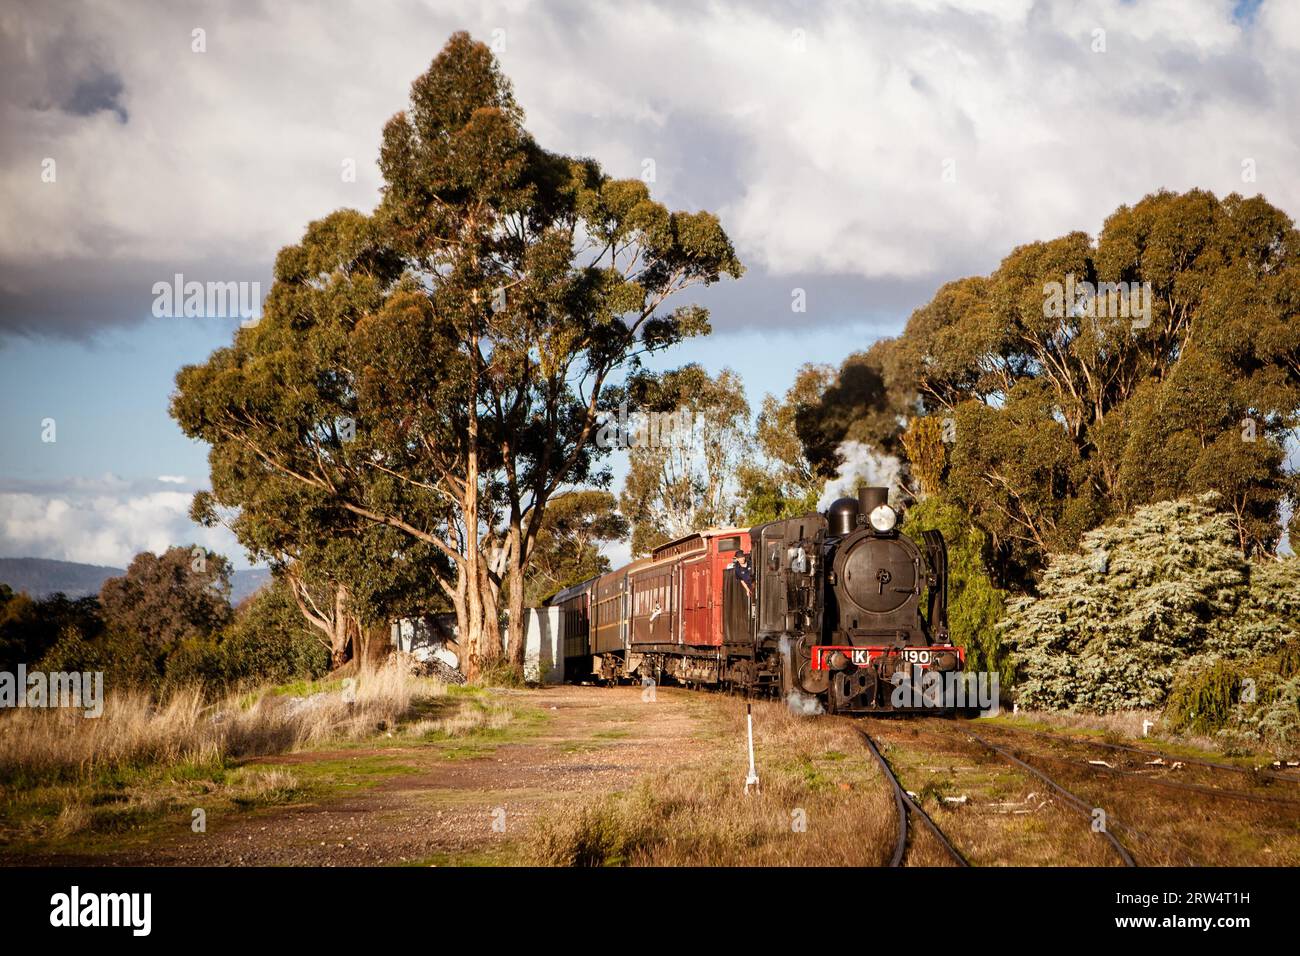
863,153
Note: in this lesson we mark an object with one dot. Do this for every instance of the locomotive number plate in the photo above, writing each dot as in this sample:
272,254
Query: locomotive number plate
915,655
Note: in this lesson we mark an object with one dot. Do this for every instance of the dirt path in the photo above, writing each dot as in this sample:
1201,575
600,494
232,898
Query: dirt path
439,803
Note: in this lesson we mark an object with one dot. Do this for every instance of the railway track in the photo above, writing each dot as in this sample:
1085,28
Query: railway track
1029,759
1222,792
1071,800
1171,758
906,806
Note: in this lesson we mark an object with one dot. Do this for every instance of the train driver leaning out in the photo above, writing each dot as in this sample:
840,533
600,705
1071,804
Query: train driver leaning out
744,573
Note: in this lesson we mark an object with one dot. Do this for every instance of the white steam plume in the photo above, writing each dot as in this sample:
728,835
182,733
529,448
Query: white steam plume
862,465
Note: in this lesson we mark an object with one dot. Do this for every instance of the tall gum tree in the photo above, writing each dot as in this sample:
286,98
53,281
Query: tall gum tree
438,367
1061,417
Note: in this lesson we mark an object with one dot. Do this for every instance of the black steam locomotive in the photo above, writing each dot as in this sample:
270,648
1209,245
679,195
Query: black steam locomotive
828,611
838,607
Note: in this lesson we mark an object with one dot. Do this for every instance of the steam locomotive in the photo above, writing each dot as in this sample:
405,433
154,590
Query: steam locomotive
838,609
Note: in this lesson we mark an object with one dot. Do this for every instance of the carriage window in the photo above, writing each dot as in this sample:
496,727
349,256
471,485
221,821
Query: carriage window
728,544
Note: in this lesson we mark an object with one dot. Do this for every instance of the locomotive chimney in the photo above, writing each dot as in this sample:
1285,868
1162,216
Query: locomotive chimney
871,498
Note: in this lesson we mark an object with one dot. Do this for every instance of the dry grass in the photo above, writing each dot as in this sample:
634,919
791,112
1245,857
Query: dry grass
41,746
1120,726
821,802
86,808
461,723
63,775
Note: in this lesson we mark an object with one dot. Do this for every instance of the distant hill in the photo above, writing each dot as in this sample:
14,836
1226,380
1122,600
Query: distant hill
41,577
248,582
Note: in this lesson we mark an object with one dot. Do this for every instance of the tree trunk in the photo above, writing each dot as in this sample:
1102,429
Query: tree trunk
516,609
372,644
340,630
476,618
333,623
490,635
463,647
470,569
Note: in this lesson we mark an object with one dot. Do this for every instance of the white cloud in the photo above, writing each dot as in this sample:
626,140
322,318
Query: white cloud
823,162
172,479
102,521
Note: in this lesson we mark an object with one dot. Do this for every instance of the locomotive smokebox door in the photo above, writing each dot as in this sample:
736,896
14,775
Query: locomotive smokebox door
879,576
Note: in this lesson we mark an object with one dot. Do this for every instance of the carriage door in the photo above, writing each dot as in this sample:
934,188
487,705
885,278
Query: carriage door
697,608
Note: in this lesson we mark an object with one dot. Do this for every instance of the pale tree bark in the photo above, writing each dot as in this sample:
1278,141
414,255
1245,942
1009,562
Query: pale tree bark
331,618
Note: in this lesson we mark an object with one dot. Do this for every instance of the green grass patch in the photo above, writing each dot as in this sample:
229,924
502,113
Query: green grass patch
127,807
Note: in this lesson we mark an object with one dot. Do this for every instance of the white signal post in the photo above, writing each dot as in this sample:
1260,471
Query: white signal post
752,779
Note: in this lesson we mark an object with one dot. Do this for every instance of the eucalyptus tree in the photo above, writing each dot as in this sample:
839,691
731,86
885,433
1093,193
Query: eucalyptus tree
685,476
438,367
567,550
782,479
1084,378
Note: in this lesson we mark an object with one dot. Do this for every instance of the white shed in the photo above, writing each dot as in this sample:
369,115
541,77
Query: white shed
543,648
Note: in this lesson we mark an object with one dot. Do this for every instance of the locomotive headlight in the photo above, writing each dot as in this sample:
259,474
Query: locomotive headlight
883,518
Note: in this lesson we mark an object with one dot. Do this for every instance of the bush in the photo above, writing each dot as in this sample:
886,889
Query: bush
268,641
1161,610
121,657
1116,620
975,606
30,628
1203,699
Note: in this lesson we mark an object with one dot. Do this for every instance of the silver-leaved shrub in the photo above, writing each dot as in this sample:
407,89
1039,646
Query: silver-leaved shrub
1150,602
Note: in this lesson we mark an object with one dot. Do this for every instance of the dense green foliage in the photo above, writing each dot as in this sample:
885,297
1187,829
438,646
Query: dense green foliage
166,621
975,605
1254,695
1062,416
141,619
266,642
685,480
567,550
163,600
29,628
781,480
